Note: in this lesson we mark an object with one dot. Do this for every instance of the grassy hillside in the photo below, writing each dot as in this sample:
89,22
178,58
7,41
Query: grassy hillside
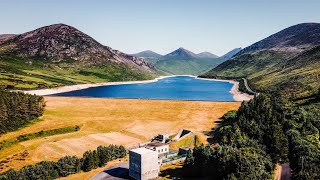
187,66
32,73
247,64
59,54
286,62
296,76
282,123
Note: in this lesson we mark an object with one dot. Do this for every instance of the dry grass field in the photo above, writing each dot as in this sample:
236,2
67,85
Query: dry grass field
108,121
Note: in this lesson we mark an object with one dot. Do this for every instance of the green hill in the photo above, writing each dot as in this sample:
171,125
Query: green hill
183,61
287,61
59,55
187,66
149,56
281,125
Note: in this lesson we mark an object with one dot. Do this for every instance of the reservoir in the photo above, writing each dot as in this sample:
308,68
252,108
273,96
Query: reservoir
173,88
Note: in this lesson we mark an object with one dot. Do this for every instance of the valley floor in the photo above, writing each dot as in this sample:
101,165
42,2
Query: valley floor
105,121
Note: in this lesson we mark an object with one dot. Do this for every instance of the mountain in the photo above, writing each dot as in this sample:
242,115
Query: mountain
149,56
180,53
231,53
5,37
206,55
59,54
188,66
183,61
287,61
296,38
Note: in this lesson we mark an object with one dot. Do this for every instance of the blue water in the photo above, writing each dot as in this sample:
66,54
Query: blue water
176,88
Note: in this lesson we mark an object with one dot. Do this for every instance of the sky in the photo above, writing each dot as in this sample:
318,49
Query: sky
132,26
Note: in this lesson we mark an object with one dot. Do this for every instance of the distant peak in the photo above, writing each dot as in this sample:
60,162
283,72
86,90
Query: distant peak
147,54
59,25
181,53
207,54
232,53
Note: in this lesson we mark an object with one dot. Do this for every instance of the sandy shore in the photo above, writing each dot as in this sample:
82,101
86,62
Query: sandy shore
44,92
237,95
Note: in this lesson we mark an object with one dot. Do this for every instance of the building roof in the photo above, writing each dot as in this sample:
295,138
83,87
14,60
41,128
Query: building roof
185,148
155,144
142,150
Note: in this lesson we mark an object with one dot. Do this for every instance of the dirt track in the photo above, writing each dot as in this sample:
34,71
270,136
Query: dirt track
283,172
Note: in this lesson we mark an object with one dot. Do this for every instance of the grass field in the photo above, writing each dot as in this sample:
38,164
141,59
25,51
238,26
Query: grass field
107,121
33,73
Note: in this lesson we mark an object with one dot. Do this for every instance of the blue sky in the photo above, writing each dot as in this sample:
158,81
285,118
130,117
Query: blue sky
162,25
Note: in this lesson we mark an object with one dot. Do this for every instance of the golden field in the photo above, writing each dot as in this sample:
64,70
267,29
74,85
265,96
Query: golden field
108,121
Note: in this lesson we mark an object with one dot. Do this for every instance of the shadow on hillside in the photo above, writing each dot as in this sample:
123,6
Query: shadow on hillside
172,173
211,139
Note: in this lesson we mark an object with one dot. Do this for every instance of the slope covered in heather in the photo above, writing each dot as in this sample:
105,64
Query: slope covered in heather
58,55
286,61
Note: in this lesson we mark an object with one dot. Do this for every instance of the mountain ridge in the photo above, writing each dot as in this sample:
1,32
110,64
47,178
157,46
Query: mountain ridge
60,54
206,54
288,60
296,38
5,37
183,61
59,41
180,53
147,54
231,53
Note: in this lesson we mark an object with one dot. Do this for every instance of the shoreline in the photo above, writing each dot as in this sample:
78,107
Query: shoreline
237,95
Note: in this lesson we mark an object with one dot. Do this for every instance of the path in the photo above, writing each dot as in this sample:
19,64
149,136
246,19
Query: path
283,172
247,86
117,172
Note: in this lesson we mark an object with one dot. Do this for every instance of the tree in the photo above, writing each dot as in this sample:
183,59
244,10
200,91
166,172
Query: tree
90,160
68,165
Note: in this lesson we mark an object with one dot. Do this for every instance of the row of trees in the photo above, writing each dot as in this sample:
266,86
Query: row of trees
18,109
263,132
67,165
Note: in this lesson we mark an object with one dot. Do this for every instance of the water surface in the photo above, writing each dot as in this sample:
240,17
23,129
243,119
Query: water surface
175,88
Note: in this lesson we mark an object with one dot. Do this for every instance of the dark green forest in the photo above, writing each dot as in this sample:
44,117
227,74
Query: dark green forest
264,131
18,109
67,165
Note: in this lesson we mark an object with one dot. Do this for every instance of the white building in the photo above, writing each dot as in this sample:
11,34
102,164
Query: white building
161,148
143,164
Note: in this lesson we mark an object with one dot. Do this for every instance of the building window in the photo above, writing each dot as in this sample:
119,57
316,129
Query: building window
158,150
